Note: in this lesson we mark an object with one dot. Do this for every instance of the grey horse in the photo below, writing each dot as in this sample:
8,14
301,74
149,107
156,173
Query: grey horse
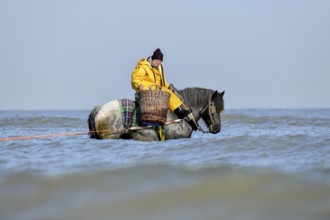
106,122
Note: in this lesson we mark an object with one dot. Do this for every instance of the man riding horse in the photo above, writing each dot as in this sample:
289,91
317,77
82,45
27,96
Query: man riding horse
149,71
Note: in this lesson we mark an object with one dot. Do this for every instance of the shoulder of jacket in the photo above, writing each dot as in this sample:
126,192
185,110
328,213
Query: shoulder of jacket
143,61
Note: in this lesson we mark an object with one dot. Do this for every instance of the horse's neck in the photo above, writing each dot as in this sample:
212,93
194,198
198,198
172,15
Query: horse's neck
196,99
196,114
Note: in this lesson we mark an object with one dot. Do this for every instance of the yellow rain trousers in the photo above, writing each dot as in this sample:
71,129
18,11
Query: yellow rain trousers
147,75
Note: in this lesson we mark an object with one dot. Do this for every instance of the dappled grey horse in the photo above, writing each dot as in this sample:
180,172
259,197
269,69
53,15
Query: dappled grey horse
106,121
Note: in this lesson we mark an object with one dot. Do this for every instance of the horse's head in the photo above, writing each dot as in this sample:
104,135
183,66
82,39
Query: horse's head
211,112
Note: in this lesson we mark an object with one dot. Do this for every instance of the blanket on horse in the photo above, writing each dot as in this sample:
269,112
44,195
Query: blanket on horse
129,112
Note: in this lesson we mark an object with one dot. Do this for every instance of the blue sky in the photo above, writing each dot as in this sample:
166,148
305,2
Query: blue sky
76,54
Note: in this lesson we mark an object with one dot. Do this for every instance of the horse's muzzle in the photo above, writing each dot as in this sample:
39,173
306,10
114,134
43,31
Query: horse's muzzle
214,128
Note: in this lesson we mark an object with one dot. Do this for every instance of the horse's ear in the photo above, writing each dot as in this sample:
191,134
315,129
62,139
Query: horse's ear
215,94
223,93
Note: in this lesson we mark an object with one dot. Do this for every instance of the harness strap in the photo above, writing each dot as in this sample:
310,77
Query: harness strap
211,110
134,128
161,132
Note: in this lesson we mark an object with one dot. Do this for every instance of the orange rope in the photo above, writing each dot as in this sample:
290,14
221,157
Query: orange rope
75,133
48,135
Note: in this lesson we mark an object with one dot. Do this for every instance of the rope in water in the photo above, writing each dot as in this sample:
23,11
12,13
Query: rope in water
14,138
47,136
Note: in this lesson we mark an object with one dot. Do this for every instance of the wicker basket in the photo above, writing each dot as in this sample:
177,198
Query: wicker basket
154,105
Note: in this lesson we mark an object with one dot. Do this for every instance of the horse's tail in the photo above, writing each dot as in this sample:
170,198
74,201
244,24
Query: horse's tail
91,123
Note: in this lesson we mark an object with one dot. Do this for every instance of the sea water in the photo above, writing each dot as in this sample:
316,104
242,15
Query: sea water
265,164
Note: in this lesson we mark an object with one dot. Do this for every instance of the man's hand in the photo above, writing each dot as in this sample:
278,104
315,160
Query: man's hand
140,87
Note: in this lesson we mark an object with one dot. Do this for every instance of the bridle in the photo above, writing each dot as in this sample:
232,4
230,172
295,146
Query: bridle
211,110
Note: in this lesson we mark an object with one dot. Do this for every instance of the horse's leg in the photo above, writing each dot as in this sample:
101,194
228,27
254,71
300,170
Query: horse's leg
173,131
108,121
148,134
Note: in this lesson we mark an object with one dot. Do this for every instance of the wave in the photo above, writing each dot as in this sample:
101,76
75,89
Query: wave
164,192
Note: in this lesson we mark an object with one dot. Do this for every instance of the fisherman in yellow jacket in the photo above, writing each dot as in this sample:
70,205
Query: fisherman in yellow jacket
149,71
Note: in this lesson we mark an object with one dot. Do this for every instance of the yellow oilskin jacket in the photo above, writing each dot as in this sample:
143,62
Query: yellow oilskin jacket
147,75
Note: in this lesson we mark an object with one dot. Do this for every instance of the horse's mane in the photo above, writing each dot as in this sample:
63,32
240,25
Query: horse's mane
195,96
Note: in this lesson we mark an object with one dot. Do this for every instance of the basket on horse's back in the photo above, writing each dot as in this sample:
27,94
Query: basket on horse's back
153,105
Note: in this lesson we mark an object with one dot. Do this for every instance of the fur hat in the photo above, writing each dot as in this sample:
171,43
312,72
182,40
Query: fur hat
158,55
